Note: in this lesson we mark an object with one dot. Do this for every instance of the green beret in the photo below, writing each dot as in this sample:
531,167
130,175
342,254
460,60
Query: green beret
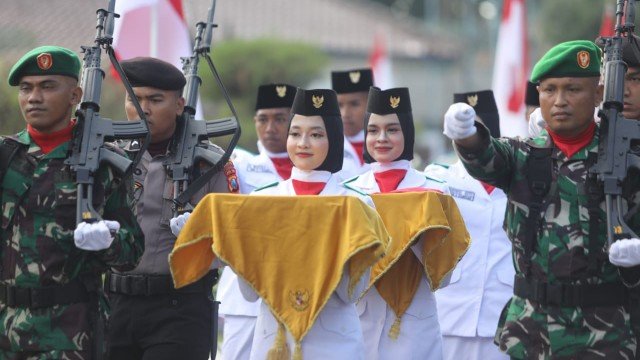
46,60
578,58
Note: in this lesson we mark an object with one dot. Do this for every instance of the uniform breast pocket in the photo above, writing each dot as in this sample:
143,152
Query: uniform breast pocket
65,206
340,322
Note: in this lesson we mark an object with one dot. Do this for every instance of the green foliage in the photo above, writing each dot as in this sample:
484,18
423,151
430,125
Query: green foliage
245,65
570,20
12,120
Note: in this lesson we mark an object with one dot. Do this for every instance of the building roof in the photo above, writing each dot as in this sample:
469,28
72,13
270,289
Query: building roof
337,26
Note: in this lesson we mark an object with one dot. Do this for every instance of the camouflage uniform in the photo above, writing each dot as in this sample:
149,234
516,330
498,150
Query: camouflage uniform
529,329
38,250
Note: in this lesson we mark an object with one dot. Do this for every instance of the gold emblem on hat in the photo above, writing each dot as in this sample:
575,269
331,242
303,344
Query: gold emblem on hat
354,76
584,59
299,299
394,101
317,101
281,91
44,61
472,100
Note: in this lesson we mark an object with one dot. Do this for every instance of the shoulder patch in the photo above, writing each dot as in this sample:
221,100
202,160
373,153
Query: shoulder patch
232,177
266,186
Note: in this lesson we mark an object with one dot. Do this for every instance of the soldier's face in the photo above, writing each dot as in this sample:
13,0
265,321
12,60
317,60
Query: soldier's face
271,127
632,94
384,139
307,143
47,101
352,109
567,104
161,108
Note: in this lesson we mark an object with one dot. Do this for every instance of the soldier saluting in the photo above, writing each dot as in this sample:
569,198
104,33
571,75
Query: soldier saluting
50,269
570,300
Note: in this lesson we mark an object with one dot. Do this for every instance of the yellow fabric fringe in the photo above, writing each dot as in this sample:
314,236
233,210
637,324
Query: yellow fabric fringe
280,349
410,217
291,250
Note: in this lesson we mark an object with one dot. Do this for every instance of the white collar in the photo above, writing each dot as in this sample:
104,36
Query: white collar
263,150
359,137
310,176
377,167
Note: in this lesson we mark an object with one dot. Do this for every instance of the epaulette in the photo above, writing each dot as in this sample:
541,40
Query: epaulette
434,179
266,186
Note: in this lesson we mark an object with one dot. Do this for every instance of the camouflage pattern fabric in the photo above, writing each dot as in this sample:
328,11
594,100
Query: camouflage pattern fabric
529,330
38,250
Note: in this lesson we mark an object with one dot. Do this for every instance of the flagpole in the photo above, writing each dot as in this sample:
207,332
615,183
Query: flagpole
153,31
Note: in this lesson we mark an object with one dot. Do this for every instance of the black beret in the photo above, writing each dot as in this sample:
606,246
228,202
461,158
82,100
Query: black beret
628,54
390,101
351,81
485,106
323,102
152,72
531,96
275,96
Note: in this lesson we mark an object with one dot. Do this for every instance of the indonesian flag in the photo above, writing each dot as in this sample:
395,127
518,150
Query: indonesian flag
380,63
511,69
608,21
151,28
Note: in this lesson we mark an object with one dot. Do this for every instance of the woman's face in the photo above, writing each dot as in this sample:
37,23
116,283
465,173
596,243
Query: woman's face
385,140
307,143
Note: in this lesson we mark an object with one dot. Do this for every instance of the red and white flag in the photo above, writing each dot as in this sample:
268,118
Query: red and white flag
155,28
151,28
380,64
608,21
511,69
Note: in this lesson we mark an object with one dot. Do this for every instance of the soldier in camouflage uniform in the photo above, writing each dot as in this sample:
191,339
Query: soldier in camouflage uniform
570,301
50,270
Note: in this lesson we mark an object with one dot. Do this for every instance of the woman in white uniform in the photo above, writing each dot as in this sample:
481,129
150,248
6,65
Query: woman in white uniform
389,149
315,145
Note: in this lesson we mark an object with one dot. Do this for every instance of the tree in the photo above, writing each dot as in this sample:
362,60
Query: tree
245,65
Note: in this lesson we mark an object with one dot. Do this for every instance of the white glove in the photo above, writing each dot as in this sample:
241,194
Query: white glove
459,121
625,252
95,236
536,123
177,223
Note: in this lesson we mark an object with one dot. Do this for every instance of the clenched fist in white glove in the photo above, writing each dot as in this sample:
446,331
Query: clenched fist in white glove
536,123
625,252
95,236
177,223
459,121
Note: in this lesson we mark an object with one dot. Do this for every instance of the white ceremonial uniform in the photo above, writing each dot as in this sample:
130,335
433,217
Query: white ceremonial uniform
482,282
351,165
419,329
336,334
240,315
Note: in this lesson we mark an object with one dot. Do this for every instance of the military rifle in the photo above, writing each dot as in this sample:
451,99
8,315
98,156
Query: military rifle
190,144
88,150
619,146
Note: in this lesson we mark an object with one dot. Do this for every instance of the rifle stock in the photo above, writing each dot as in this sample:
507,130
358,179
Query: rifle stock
619,137
88,151
190,144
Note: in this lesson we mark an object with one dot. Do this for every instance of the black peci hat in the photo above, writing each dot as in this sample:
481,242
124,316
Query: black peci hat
275,96
390,101
350,81
485,106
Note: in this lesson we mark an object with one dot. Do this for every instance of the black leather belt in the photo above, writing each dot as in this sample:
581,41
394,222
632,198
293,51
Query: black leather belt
147,285
586,295
33,298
